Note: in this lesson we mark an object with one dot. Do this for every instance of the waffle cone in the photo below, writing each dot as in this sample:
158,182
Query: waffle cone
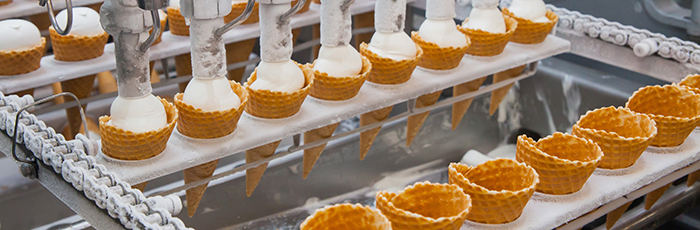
622,134
162,28
529,32
22,61
317,1
499,189
304,8
387,70
425,206
238,8
416,121
676,112
692,82
295,35
106,82
615,215
196,123
439,58
253,175
564,162
176,22
312,154
197,173
693,177
5,2
489,44
654,196
367,137
460,108
140,186
315,34
238,52
271,104
346,217
331,88
81,88
126,145
499,94
77,48
183,67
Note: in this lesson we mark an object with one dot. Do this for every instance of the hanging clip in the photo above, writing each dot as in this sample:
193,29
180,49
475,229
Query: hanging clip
153,6
237,21
52,17
284,17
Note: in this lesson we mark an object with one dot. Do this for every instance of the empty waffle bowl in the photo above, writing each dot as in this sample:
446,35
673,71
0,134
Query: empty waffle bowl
623,135
425,206
499,189
564,162
346,217
675,110
691,82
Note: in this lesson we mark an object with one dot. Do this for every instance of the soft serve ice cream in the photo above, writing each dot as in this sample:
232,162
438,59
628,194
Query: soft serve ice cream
442,32
394,45
533,10
282,76
211,94
86,21
486,16
339,61
138,114
18,34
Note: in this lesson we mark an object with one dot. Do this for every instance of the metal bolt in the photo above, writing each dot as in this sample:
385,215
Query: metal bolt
28,170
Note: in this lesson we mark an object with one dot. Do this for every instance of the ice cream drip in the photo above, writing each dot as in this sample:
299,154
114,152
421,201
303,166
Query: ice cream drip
138,114
86,21
439,26
336,57
18,34
486,16
533,10
390,41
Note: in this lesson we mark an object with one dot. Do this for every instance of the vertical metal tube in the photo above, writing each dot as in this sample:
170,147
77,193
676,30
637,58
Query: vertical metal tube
133,78
389,15
336,23
275,34
208,52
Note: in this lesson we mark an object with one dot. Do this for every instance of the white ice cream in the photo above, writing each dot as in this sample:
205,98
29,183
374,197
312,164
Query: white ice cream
443,33
138,114
174,4
487,19
86,21
534,10
397,45
284,76
18,34
211,94
339,61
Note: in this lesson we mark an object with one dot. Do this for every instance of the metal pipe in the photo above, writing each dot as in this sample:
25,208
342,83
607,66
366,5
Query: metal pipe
133,78
208,52
389,15
336,23
156,31
52,17
275,33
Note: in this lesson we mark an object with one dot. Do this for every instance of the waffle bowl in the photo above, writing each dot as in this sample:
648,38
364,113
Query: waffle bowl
387,70
346,217
563,162
126,145
439,58
270,104
196,123
623,135
425,206
692,83
529,32
499,189
22,61
331,88
76,47
676,112
238,8
489,44
176,22
5,2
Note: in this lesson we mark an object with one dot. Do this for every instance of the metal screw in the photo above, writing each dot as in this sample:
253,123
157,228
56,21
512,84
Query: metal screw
28,170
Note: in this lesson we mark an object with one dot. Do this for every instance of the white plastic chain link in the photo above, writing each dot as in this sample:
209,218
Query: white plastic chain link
75,162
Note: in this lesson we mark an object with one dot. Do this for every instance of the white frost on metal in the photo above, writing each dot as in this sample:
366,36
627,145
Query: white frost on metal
208,52
389,15
275,34
440,9
336,23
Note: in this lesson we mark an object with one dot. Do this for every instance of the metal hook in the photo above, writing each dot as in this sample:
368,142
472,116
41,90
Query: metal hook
292,11
237,21
49,98
52,17
154,35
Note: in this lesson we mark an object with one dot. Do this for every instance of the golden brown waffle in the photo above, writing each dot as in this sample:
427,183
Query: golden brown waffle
499,189
22,61
312,154
489,44
238,8
654,196
274,104
676,112
126,145
460,108
253,175
317,1
615,215
367,137
622,134
331,88
5,3
162,28
346,217
425,206
77,48
529,32
387,70
196,123
499,94
304,8
439,58
197,173
177,23
692,82
414,122
564,162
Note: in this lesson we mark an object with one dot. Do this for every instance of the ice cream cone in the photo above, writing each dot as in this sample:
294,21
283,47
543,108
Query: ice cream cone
367,137
615,215
126,145
295,35
529,32
312,154
140,186
365,20
460,108
176,22
162,28
654,196
499,189
238,52
693,177
5,2
500,93
56,88
425,206
183,67
676,112
563,162
389,71
332,88
273,104
106,82
196,123
196,173
315,34
22,61
253,175
77,48
692,83
622,134
439,58
489,44
238,8
81,88
346,217
155,78
416,121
